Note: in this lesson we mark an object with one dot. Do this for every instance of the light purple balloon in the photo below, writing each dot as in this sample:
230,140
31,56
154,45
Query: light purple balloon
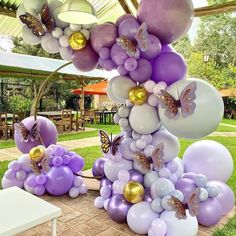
124,17
14,165
76,164
131,64
103,36
128,28
167,48
118,55
226,196
21,175
118,208
48,133
10,174
39,190
169,67
147,195
25,163
66,159
59,180
109,65
105,183
50,44
125,149
154,48
136,176
85,59
143,71
12,183
167,19
186,186
190,175
66,53
121,70
104,53
31,181
105,192
98,167
57,161
209,212
99,202
83,189
40,179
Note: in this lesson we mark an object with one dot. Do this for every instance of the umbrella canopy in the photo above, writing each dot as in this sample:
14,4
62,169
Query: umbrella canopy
93,89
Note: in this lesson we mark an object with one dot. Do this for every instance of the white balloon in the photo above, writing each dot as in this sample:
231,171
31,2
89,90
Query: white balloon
57,32
176,227
29,37
75,28
87,26
64,41
54,4
112,168
50,44
86,33
32,6
161,187
149,85
74,192
144,119
99,202
171,144
125,149
139,167
205,118
68,32
111,95
150,178
141,143
121,85
57,21
66,53
140,217
123,112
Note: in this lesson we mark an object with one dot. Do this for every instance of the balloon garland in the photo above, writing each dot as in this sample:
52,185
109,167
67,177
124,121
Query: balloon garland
143,182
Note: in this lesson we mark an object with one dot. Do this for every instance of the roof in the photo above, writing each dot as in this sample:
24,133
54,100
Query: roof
17,65
94,89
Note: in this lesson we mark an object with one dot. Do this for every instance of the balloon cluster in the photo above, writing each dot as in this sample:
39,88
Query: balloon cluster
50,168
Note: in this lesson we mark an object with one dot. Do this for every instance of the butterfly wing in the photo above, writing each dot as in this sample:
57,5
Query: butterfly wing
143,161
22,131
193,202
34,132
187,99
115,144
177,206
128,45
169,103
105,141
47,18
157,156
142,37
33,23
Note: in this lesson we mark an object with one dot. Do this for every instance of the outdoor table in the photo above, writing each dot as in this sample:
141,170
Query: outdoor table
53,114
104,114
20,210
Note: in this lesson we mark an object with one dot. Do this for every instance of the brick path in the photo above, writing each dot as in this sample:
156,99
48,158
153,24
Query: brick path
81,218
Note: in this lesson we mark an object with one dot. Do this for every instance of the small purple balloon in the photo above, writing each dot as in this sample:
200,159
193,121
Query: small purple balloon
189,175
31,181
147,195
109,65
136,176
104,53
128,28
39,190
209,212
10,174
6,183
124,17
59,180
131,64
143,71
121,70
186,186
76,164
167,48
118,208
40,179
105,183
98,168
118,55
58,151
57,161
169,67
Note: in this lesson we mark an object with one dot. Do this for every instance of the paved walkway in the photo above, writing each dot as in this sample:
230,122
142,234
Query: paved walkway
228,125
81,218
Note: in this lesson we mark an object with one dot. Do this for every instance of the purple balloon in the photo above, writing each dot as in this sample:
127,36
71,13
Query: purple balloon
143,71
154,48
10,174
59,180
167,48
118,208
169,67
124,17
104,53
136,176
121,70
147,195
98,168
85,59
6,183
48,133
109,65
105,183
31,181
186,186
131,64
59,151
209,212
39,190
189,175
118,55
76,164
128,28
167,19
226,196
40,179
57,161
103,36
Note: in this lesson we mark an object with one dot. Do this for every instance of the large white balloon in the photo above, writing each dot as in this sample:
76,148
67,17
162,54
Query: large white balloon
29,37
144,119
206,116
176,227
171,144
33,6
209,158
58,22
50,44
112,168
140,217
121,85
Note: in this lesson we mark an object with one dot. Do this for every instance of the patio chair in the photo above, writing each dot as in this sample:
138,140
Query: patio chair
3,125
65,123
17,117
78,121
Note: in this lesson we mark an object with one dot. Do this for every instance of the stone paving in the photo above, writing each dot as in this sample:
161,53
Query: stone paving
81,218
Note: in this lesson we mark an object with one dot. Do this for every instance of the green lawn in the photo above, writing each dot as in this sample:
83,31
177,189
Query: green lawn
222,128
229,121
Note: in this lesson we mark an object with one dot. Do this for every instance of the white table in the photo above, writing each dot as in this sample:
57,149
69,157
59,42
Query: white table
20,210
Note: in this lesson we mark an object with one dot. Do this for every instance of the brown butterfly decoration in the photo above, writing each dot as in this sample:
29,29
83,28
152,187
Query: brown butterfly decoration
42,164
40,24
156,159
128,45
180,208
108,144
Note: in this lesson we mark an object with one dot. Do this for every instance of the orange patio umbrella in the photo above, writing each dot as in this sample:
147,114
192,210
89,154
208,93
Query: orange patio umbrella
93,89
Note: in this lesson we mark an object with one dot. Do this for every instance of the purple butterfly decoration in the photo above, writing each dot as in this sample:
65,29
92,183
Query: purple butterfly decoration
185,102
27,134
142,37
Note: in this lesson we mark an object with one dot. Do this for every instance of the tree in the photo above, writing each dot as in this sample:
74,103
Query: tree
184,47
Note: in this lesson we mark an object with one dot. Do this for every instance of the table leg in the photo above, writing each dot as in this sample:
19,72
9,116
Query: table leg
54,227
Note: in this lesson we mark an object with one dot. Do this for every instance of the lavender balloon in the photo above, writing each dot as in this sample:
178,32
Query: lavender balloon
147,195
76,164
105,183
169,67
98,168
6,183
136,176
118,208
128,28
167,19
48,133
167,48
118,55
125,149
124,17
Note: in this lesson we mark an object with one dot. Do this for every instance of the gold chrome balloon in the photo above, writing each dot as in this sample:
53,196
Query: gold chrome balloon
77,41
134,192
37,153
138,95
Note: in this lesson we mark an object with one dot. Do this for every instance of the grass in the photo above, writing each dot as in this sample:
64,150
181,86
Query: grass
228,230
222,128
229,121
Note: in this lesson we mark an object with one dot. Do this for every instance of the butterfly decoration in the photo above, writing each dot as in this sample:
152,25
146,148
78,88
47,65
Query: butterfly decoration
132,46
156,159
42,164
181,208
185,102
108,144
26,134
39,24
